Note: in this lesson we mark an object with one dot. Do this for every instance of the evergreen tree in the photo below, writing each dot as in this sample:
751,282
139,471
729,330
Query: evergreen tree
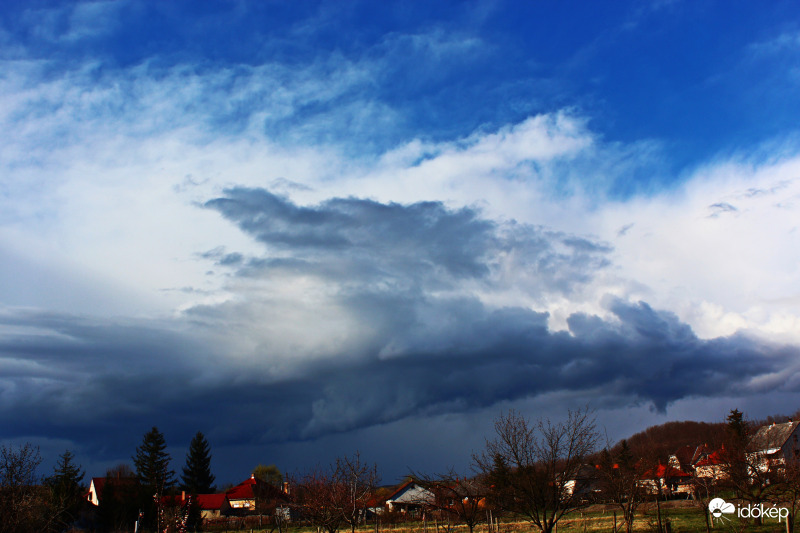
152,463
625,456
65,484
737,427
197,477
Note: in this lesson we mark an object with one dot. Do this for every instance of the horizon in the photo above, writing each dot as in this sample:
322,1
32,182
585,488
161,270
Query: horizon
307,229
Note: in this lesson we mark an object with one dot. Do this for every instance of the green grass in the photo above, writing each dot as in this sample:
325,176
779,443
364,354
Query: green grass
684,517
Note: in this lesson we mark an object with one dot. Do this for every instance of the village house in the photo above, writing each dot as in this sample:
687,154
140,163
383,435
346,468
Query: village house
584,483
775,444
712,466
213,506
95,487
667,481
687,457
98,484
409,498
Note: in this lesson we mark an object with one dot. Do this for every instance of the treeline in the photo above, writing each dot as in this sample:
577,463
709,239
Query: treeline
664,439
143,496
139,496
536,470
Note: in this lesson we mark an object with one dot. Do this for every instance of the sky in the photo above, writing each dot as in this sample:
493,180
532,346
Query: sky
311,228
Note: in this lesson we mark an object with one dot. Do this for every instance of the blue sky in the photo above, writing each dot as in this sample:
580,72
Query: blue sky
306,228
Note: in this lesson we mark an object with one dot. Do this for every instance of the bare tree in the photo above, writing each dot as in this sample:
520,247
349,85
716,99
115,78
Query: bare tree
26,505
356,483
787,491
703,489
620,483
459,498
743,468
530,466
317,498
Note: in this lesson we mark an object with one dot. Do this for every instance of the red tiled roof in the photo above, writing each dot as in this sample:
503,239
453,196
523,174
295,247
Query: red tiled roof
211,502
243,491
712,459
664,471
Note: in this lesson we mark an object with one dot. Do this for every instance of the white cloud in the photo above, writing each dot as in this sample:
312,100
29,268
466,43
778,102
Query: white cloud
721,271
105,171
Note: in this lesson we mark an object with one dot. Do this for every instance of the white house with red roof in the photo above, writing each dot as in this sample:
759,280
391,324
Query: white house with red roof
242,497
213,505
95,488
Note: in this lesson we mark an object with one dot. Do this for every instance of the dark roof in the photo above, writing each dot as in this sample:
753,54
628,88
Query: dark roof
689,455
99,482
772,436
174,499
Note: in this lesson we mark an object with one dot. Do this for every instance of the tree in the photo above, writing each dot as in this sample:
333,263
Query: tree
155,478
356,481
743,471
152,463
197,477
620,482
458,498
737,428
268,474
529,465
316,498
787,494
65,485
25,505
329,498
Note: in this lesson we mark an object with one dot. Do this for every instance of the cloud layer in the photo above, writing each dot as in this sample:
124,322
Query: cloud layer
429,220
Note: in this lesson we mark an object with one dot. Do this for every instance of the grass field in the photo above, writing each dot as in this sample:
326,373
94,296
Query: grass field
682,517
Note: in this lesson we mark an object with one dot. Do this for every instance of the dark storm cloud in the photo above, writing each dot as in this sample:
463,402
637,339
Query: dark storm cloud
455,240
415,350
423,242
510,354
117,381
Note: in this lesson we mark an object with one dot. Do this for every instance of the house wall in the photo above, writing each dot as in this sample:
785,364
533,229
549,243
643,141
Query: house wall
791,448
243,504
93,496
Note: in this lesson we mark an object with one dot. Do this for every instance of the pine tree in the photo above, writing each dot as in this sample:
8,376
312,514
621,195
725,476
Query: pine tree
65,484
737,427
67,476
152,463
197,477
625,455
